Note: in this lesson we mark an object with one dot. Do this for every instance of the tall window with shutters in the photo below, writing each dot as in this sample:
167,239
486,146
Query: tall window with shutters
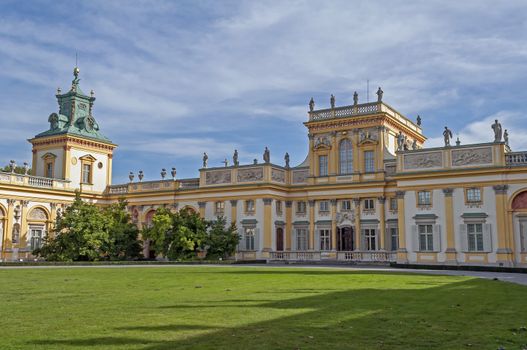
301,239
426,237
476,237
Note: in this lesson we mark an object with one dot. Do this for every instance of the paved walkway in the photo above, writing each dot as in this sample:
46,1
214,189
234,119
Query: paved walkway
519,278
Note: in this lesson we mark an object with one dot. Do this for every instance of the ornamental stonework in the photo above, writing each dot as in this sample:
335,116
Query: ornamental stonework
250,175
38,214
300,176
472,156
218,177
278,175
423,160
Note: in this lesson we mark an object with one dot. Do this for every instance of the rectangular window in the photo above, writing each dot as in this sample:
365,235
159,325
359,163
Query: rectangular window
300,207
86,173
473,195
426,237
249,238
220,208
322,165
370,236
325,239
393,204
424,198
249,206
301,239
278,207
323,206
369,204
475,237
35,234
49,170
346,205
394,238
369,161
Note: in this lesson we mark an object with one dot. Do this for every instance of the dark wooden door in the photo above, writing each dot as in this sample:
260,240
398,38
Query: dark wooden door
280,239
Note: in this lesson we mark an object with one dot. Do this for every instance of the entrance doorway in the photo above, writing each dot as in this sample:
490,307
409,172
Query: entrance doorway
279,239
345,239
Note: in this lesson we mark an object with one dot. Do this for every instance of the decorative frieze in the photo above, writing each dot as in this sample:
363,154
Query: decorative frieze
218,177
300,176
278,175
472,156
250,174
423,160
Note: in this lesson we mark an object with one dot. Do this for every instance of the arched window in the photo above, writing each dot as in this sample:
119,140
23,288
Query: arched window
346,157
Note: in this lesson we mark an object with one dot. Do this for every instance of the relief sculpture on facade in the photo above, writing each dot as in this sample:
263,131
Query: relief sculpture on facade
218,177
423,160
249,175
278,175
300,176
472,156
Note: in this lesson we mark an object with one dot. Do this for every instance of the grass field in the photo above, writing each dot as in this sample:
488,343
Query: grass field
255,308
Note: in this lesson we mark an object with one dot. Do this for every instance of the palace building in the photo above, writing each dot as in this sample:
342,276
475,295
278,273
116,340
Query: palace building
368,191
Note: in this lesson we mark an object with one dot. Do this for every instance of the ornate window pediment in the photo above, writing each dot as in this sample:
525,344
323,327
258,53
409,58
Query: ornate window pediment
49,156
88,158
322,142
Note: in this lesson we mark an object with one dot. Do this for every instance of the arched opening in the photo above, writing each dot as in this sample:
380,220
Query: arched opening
345,157
345,239
279,239
189,209
519,208
37,220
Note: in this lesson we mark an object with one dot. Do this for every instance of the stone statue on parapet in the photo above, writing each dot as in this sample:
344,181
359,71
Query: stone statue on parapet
355,98
205,159
418,120
286,159
226,162
447,135
400,141
497,131
414,145
267,155
235,158
506,137
379,94
332,101
311,105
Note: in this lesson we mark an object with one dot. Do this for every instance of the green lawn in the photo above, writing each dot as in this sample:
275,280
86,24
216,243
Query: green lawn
255,308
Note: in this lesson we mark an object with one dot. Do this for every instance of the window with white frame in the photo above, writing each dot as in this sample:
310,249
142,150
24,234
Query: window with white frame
393,204
300,207
49,169
249,237
219,208
424,198
426,237
370,239
249,206
301,239
345,157
369,161
323,206
394,237
325,239
36,233
473,195
475,237
369,204
322,165
346,205
86,173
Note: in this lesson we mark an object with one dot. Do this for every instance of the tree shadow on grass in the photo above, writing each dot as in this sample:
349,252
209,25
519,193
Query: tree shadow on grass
473,313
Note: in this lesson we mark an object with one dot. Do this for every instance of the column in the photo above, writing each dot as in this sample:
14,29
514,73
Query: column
66,162
402,253
311,225
109,170
450,231
288,224
34,164
333,158
23,225
8,226
356,201
505,244
234,211
52,218
382,228
311,155
268,225
202,206
334,224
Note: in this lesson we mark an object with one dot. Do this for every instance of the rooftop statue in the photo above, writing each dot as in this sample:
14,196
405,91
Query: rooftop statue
332,101
379,94
414,145
447,135
311,104
286,159
497,131
205,159
506,137
400,141
267,155
418,120
235,158
355,98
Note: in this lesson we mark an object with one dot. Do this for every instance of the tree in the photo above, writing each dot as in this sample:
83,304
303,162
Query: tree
123,243
222,239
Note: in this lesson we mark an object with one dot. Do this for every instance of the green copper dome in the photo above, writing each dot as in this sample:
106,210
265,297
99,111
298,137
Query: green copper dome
75,114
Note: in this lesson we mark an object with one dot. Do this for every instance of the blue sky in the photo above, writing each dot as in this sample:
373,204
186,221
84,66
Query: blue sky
174,79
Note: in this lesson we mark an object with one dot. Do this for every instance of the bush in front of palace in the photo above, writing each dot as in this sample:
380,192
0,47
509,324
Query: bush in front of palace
86,232
184,235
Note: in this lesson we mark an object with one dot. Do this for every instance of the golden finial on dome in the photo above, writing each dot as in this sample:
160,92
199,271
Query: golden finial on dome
76,72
